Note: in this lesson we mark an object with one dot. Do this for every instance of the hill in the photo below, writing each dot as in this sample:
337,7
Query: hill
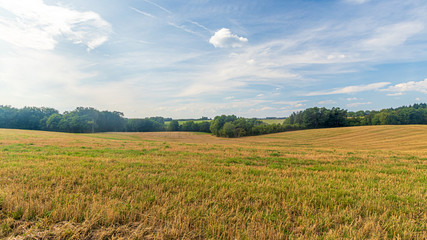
356,182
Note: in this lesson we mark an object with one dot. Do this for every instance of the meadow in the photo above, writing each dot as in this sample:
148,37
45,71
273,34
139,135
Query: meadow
365,182
273,121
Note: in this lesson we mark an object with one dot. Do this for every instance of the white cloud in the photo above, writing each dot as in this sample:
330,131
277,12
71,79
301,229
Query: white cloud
39,26
327,102
234,72
411,86
395,94
224,38
264,109
352,99
278,62
350,89
357,104
48,79
291,103
393,35
215,87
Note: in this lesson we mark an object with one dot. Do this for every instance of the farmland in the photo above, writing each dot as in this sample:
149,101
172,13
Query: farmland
355,182
273,121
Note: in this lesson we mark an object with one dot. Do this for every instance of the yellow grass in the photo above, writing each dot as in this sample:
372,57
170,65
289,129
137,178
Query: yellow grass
359,182
272,121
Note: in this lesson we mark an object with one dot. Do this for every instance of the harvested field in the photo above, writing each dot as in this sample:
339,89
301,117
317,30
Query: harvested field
356,182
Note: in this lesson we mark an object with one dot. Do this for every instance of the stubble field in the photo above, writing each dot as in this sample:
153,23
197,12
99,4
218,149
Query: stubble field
358,182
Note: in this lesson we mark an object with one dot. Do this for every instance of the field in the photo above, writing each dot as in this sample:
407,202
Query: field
273,121
183,121
352,183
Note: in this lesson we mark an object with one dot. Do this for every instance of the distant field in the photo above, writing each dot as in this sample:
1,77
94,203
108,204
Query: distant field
182,122
272,121
355,183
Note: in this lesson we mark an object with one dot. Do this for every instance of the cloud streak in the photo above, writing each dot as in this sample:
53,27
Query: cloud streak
350,89
358,104
411,86
142,12
393,35
157,5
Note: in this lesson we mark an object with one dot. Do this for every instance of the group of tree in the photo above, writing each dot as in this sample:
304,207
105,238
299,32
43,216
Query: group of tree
318,118
415,114
189,126
90,120
81,120
336,117
232,126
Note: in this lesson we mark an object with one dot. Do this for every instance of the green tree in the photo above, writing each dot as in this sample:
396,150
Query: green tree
173,126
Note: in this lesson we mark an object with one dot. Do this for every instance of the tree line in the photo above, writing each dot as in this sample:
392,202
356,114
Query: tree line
232,126
90,120
336,117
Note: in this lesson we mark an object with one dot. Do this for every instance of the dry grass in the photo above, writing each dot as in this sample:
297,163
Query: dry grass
354,183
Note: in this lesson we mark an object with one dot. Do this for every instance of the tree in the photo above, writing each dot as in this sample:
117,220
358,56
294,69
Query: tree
204,127
228,130
8,117
52,123
173,126
219,121
190,126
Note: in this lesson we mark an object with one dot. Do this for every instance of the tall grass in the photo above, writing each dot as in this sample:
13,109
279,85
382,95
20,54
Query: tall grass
362,182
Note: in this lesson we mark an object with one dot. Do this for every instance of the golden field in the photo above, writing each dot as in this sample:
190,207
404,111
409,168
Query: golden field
344,183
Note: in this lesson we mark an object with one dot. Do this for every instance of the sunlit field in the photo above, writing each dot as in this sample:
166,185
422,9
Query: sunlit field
273,121
351,183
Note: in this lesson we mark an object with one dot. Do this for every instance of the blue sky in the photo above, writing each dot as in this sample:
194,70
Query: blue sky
194,58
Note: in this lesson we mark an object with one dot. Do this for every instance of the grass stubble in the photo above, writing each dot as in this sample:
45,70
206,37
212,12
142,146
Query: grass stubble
353,183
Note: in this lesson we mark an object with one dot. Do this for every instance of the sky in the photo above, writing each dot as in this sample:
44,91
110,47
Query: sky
194,58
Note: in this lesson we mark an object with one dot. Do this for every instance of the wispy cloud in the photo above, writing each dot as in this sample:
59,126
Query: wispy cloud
39,26
182,27
175,73
157,5
395,94
358,104
142,12
350,89
326,102
291,103
201,26
48,78
262,109
411,86
393,35
170,22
